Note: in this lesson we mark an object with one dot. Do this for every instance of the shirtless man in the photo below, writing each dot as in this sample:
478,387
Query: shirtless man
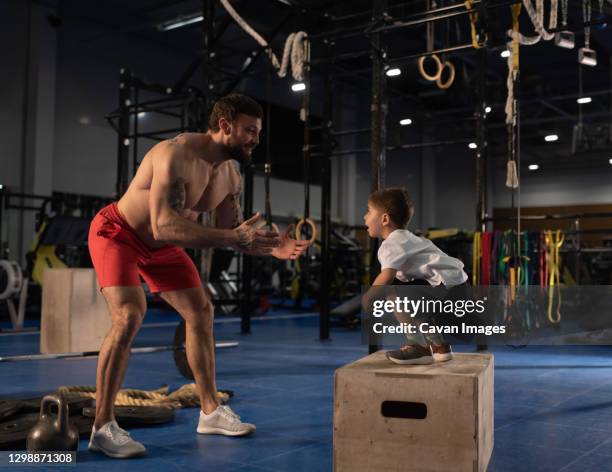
143,234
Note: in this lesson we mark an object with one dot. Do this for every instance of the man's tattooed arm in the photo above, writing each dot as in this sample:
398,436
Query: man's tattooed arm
237,210
229,214
176,196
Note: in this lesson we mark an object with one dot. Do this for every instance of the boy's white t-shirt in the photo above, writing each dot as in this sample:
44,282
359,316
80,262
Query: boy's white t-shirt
418,258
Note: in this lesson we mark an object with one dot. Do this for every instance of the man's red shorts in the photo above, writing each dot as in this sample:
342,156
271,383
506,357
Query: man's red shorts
119,256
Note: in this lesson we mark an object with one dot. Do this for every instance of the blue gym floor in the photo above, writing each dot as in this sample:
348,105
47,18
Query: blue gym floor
553,406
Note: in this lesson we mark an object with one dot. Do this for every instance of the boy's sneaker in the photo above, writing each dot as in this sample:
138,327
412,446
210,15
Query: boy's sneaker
442,352
115,442
411,354
223,421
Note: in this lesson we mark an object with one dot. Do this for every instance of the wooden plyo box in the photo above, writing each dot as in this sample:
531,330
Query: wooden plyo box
74,314
438,417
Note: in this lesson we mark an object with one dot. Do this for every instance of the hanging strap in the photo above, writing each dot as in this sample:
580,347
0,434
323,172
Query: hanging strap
473,20
485,271
554,241
476,253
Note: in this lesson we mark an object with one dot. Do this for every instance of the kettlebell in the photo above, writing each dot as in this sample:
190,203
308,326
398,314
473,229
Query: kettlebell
53,433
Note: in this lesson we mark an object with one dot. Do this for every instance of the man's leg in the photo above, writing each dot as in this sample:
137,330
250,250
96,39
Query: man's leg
197,311
127,306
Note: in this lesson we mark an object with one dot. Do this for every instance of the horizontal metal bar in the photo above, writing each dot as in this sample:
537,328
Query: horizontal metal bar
408,21
340,57
579,27
25,195
421,21
401,147
351,131
135,350
411,57
151,134
571,117
150,86
431,144
588,249
369,12
22,207
551,217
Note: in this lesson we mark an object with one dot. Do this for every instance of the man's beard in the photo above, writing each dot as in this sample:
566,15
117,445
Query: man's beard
238,153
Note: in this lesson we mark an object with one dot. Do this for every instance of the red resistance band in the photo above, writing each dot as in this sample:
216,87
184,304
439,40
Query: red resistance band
485,264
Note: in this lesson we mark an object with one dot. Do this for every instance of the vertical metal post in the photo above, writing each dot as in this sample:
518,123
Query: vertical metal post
3,245
481,137
326,145
247,261
379,127
134,115
208,53
123,144
481,142
305,115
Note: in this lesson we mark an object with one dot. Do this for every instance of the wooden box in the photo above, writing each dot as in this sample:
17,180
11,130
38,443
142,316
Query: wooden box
438,417
74,313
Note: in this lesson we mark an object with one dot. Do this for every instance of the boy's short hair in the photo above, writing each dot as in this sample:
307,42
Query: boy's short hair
230,106
396,202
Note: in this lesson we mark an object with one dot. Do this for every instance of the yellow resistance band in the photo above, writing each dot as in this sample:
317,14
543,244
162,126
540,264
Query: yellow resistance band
516,11
473,20
554,241
476,255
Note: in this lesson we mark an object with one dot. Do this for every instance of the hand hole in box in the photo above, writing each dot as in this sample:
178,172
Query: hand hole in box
412,410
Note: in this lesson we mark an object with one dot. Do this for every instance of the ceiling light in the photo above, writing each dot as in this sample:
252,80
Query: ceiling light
393,72
405,122
533,167
551,138
583,100
142,114
505,53
488,110
298,87
180,22
610,161
472,145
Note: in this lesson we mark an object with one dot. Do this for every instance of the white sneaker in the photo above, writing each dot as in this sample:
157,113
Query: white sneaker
223,421
115,442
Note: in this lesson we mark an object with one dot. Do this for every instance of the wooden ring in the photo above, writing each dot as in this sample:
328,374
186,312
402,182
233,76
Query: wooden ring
451,77
439,67
261,224
298,229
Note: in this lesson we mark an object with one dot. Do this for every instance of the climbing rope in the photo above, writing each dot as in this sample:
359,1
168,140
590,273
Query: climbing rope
296,46
185,396
537,18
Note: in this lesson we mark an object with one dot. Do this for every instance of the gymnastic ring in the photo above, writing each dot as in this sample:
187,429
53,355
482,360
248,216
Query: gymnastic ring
272,226
298,230
14,278
451,77
439,67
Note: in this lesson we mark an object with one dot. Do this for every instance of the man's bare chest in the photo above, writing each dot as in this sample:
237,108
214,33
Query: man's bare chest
212,190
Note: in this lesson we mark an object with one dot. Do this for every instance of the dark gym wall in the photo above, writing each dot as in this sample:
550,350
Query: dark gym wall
89,58
552,187
13,48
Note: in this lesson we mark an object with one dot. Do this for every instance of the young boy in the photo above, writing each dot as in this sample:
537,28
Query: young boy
411,260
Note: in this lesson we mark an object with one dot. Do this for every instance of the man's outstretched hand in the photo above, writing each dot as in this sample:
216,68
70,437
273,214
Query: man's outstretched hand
289,248
256,241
